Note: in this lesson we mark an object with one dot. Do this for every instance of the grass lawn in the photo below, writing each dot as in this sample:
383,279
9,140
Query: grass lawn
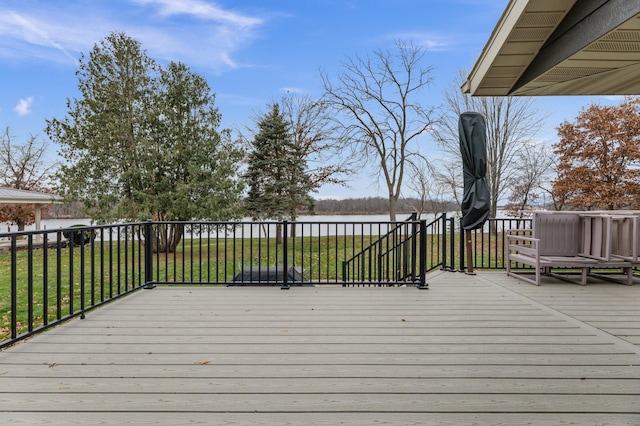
57,284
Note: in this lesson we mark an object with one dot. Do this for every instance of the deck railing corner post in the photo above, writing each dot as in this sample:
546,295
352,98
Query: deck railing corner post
444,241
14,287
344,273
462,247
285,254
148,255
452,257
422,280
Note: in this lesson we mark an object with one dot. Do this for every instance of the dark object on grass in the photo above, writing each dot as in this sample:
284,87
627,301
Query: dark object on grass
81,236
268,275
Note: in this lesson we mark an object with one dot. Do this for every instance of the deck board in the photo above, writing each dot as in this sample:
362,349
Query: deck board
318,402
327,385
327,419
486,347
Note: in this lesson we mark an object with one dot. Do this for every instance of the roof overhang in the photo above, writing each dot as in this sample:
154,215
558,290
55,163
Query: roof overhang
561,47
18,196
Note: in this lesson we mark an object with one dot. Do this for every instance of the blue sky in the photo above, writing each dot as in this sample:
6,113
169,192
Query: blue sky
250,51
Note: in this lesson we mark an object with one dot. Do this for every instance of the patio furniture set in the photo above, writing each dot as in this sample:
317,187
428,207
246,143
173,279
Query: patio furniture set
587,240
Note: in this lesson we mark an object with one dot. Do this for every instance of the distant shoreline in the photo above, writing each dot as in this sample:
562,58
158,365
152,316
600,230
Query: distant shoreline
334,207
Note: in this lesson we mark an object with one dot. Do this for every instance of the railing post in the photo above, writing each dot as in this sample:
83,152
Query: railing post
344,273
462,245
452,256
422,283
148,255
285,254
30,282
414,249
14,287
45,278
444,241
409,248
380,269
82,280
71,276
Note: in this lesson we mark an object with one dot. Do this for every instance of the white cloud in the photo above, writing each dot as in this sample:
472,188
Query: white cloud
214,35
431,42
24,34
294,90
24,106
200,9
195,32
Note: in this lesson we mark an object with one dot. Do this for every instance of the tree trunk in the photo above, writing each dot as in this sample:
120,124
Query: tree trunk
292,226
167,236
279,233
493,225
393,208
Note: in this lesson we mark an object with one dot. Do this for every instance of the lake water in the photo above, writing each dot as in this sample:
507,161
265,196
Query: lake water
312,225
317,225
53,224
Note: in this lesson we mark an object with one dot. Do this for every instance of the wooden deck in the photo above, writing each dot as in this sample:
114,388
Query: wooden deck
484,349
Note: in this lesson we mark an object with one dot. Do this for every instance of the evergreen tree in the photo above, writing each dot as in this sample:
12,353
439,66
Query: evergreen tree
279,186
142,142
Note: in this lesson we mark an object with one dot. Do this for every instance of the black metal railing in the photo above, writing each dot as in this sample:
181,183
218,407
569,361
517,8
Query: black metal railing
446,248
435,243
488,243
239,253
393,258
50,276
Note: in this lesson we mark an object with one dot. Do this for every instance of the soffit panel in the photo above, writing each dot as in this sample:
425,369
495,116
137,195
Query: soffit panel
521,32
608,65
622,81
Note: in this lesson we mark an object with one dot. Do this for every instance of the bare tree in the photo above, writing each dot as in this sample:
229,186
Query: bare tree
511,122
558,201
318,136
381,109
535,162
421,183
449,175
22,166
431,187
